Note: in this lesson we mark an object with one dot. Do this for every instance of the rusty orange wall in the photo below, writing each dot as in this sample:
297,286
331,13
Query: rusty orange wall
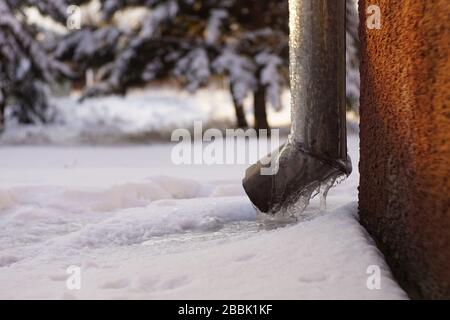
404,194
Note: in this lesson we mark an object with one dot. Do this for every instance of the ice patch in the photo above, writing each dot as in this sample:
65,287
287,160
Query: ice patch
136,225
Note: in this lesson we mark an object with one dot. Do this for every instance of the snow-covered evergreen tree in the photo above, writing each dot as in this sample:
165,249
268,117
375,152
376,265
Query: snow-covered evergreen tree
194,42
25,65
244,42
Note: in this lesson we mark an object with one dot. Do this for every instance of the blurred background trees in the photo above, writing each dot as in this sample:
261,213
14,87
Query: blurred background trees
124,44
26,67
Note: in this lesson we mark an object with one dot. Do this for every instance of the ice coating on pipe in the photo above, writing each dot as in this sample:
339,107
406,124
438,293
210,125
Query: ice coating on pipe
315,154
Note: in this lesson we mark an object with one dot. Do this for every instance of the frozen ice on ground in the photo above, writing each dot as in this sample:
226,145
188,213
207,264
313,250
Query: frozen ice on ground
140,227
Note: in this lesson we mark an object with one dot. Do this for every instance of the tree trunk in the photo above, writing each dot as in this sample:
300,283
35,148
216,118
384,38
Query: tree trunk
259,102
239,109
2,111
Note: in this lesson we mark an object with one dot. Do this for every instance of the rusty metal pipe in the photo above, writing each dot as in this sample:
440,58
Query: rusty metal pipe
315,154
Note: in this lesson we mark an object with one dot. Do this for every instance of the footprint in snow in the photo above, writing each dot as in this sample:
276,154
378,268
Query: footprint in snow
312,278
58,277
147,283
244,257
115,284
175,283
6,261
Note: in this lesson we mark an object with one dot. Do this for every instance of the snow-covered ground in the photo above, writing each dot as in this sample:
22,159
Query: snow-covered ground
140,116
141,227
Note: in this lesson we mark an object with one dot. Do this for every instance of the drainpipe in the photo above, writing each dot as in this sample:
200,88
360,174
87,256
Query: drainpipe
315,154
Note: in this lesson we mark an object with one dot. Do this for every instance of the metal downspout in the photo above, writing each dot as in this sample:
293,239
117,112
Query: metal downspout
315,154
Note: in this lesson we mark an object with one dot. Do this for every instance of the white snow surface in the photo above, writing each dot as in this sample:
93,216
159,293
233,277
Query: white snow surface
141,228
142,115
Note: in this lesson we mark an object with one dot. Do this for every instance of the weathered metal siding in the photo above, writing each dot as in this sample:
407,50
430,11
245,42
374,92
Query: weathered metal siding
404,195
